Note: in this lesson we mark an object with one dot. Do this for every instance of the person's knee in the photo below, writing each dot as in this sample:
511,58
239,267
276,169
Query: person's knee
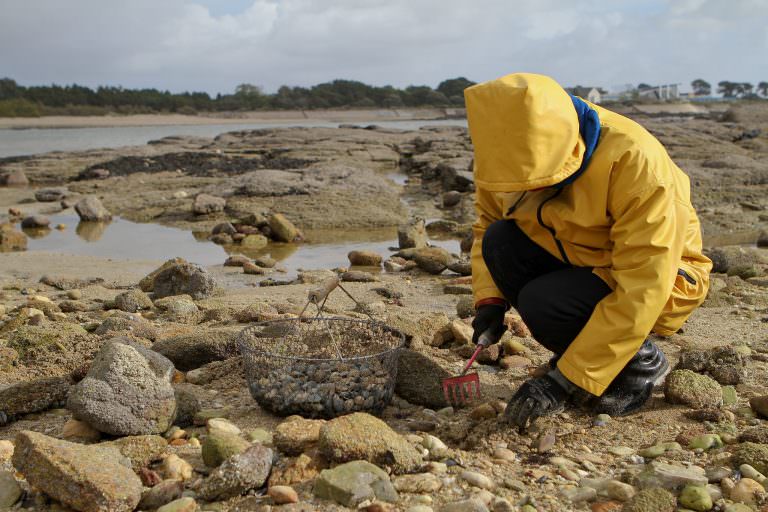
495,237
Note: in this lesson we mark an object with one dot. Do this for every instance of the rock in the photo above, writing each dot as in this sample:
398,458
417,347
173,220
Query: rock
358,276
754,454
147,283
134,324
360,436
179,308
651,500
461,267
224,228
50,195
219,446
282,494
176,468
579,494
433,260
10,490
15,178
162,493
86,478
79,431
412,235
180,505
237,260
470,505
669,476
12,240
34,396
759,404
256,312
705,442
724,364
354,482
483,412
695,498
692,389
296,435
477,480
619,491
261,436
183,279
364,258
190,351
253,270
127,391
140,450
35,222
206,203
421,483
462,332
254,242
90,209
6,450
238,474
465,308
419,379
748,491
283,230
222,425
133,301
295,471
451,198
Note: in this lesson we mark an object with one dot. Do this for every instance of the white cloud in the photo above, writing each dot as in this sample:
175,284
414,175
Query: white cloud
199,45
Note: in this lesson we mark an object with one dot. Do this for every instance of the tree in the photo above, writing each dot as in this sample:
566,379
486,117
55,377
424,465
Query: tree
727,89
644,87
454,86
762,88
701,87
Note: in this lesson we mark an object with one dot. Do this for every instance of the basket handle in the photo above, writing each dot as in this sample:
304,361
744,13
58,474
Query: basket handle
318,294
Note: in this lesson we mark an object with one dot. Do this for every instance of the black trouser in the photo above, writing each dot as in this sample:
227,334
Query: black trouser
554,299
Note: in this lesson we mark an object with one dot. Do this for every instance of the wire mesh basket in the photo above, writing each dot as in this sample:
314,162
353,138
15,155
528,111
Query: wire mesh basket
321,367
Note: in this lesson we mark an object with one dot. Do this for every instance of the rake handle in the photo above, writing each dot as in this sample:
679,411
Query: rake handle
484,341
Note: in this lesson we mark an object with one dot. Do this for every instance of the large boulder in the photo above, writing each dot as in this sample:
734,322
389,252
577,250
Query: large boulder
34,396
360,436
90,209
127,391
183,279
86,478
238,474
147,283
190,351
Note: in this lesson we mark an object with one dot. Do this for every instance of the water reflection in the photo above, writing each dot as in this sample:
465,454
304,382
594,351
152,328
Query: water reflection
36,233
91,231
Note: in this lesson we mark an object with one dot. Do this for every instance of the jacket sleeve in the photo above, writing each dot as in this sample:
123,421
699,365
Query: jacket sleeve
648,235
488,211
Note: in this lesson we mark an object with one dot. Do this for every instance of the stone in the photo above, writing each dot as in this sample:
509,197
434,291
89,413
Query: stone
412,235
759,404
296,435
256,312
180,505
282,494
35,222
462,332
134,324
6,450
174,467
352,483
360,436
670,476
421,483
10,490
219,446
619,491
127,391
283,229
303,468
748,491
730,396
483,412
224,228
133,301
254,242
178,308
90,209
34,396
162,493
451,198
238,474
738,507
364,258
754,454
147,283
237,260
651,500
469,505
140,450
419,378
433,260
696,498
358,276
51,195
259,435
222,425
692,389
79,431
205,204
724,364
705,442
190,351
463,267
504,454
477,480
12,240
183,279
253,270
86,478
15,178
465,307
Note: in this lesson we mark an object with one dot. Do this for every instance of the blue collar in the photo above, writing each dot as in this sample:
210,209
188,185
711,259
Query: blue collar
589,129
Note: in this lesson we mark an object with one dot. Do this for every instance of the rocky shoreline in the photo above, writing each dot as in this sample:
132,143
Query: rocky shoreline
122,387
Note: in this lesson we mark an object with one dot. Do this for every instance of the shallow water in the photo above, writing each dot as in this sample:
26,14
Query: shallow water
125,240
42,140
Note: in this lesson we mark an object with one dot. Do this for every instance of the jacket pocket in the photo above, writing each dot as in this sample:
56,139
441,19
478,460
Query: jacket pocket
686,276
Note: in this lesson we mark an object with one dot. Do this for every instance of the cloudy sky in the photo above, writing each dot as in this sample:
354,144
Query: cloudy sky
213,45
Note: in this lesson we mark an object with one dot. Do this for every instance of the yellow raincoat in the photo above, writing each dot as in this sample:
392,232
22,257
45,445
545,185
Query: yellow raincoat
629,215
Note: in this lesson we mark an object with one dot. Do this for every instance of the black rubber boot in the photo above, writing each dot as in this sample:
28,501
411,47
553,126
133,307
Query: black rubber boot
634,385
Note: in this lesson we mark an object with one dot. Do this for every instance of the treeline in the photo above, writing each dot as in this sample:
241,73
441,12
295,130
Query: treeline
20,101
728,89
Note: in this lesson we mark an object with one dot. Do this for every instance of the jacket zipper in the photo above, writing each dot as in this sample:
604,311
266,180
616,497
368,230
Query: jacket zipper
551,229
686,276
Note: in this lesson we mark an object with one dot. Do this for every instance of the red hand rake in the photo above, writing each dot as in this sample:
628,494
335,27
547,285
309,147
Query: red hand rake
464,388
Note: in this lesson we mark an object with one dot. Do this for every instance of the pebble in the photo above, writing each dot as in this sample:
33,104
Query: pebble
222,425
180,505
176,468
504,454
502,505
6,450
470,505
282,494
419,508
748,471
715,474
10,491
546,442
477,480
747,491
619,491
74,430
483,412
621,451
601,420
579,494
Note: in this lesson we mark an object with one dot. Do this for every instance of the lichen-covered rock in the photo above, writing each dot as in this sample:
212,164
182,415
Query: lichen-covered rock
127,391
34,396
433,260
651,500
39,344
133,301
190,351
121,323
360,436
692,389
283,229
206,203
140,450
90,209
184,279
238,474
12,240
179,308
354,482
696,497
147,284
86,478
296,435
724,364
754,454
218,446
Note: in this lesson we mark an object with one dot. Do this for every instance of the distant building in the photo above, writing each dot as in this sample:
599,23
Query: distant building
591,94
665,92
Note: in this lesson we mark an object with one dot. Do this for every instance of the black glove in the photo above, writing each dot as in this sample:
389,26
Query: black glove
489,317
539,397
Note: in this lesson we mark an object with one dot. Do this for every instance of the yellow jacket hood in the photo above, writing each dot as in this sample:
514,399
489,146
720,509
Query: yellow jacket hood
525,132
